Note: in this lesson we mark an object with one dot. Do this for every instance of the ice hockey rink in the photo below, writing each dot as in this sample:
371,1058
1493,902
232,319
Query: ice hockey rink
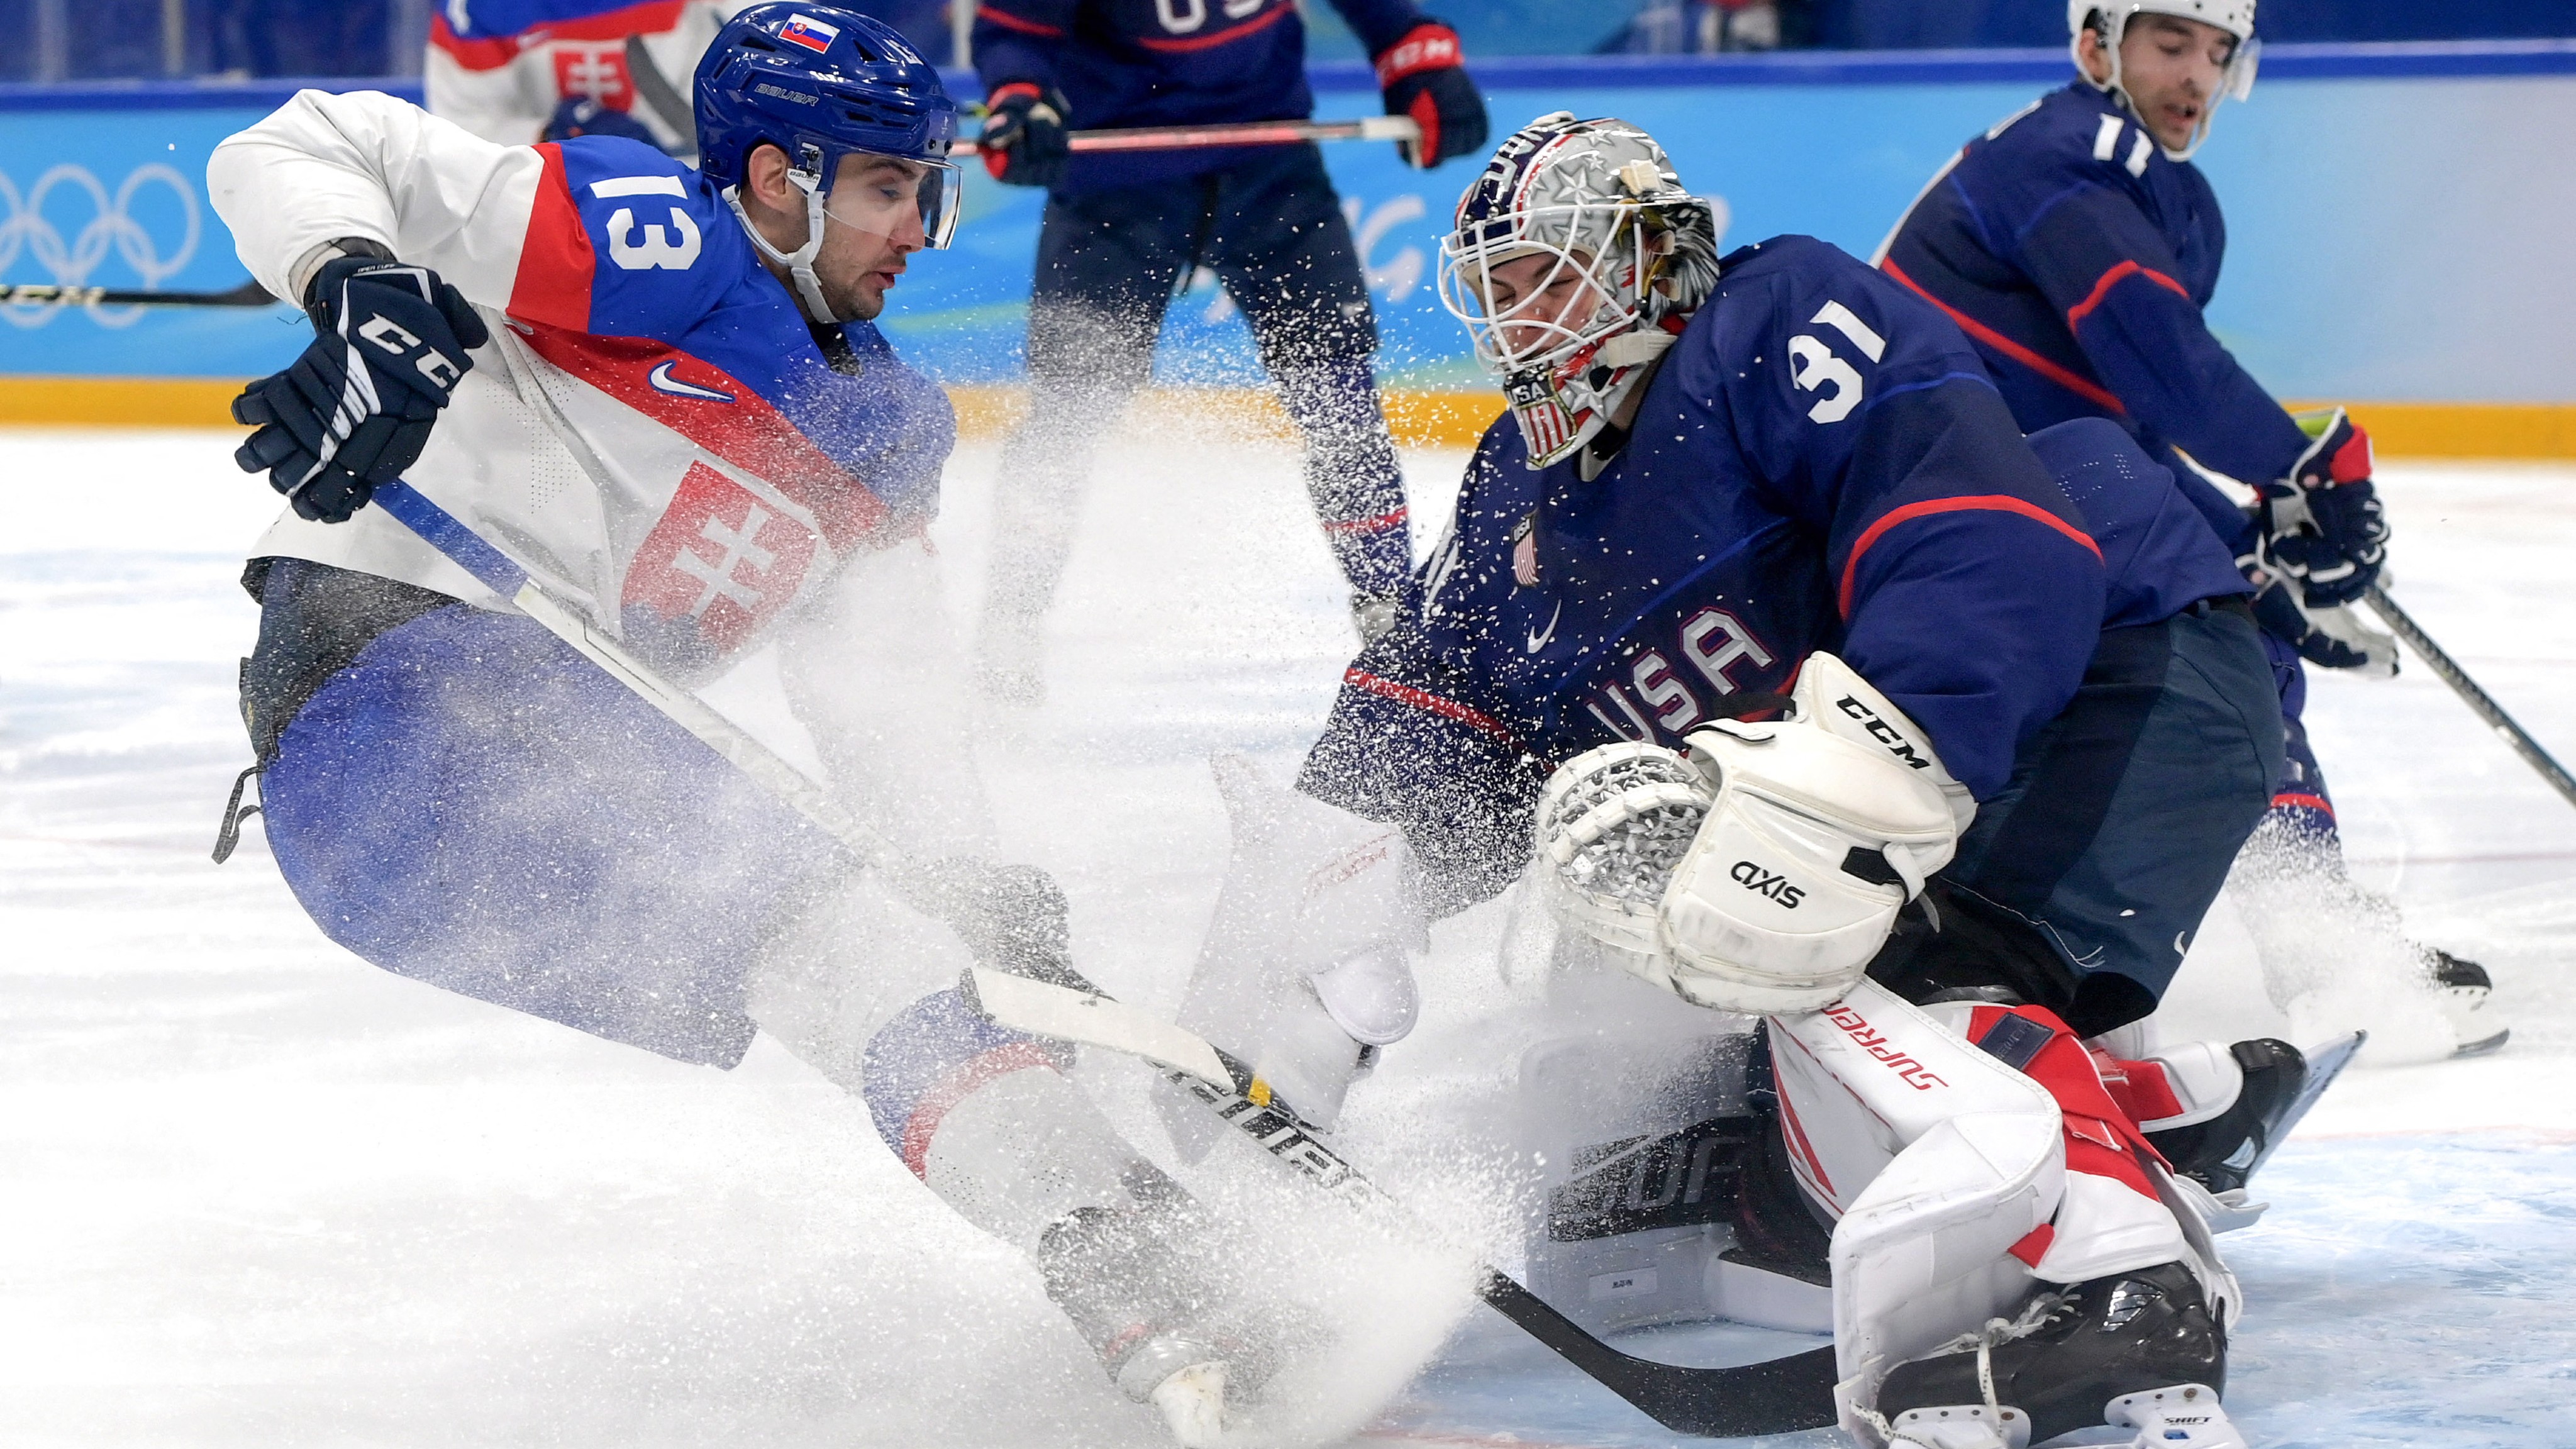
254,1192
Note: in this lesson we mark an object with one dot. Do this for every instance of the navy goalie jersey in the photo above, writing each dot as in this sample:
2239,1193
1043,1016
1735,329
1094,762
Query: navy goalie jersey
1821,462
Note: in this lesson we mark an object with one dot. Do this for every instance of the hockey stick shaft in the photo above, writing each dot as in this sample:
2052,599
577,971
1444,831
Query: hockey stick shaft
2403,625
1246,133
1779,1396
46,294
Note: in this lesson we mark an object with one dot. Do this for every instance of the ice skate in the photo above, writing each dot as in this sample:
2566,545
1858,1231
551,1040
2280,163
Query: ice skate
1143,1288
2058,1363
2466,993
2221,1153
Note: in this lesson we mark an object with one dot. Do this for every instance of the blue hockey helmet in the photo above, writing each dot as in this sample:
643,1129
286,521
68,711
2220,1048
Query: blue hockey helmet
820,82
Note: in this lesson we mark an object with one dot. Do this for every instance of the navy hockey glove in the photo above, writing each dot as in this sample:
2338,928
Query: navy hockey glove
2326,527
1024,142
2280,616
355,410
1424,76
586,116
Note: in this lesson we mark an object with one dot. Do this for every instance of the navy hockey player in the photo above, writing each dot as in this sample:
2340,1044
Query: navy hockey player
660,388
2077,245
2022,742
1120,229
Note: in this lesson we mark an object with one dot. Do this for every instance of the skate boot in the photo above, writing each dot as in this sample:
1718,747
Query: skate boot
2221,1153
2464,989
2147,1335
1140,1286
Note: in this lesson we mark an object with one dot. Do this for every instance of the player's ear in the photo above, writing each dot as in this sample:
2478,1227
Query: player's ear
764,174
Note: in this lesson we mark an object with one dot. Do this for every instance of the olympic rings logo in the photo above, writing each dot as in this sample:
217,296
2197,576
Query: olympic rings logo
25,228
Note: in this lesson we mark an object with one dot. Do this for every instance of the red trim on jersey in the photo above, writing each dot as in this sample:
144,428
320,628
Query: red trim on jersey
960,1083
2112,278
1366,525
1982,503
556,262
1008,21
746,432
2092,392
1277,13
651,17
2299,800
1423,699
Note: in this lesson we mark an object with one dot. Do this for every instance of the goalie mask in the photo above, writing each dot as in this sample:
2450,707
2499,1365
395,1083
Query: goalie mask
2110,20
1575,260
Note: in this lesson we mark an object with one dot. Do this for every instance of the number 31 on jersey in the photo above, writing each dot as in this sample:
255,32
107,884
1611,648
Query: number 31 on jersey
1817,368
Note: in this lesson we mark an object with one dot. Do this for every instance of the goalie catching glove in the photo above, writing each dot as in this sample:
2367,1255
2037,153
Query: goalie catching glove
1761,870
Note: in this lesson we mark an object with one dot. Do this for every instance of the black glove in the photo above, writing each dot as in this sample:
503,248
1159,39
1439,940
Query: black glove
2324,522
1023,141
356,408
1424,76
2281,617
586,116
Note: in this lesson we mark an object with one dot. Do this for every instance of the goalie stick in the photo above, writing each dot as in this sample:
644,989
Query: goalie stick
2403,625
1777,1397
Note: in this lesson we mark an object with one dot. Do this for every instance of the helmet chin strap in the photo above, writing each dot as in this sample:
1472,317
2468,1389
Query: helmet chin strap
800,262
2119,91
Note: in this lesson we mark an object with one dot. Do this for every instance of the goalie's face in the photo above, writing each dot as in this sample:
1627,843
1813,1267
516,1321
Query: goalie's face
1541,301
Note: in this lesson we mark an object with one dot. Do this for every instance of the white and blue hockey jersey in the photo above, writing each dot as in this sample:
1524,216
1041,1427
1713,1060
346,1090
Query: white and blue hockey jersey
654,429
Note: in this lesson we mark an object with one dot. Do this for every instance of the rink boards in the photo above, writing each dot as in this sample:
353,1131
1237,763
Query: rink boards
2395,214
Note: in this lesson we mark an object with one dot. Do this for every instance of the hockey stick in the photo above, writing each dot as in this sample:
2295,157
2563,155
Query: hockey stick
46,294
1778,1396
1247,133
2404,627
656,91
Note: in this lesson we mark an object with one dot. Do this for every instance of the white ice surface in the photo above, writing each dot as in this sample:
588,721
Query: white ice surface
255,1192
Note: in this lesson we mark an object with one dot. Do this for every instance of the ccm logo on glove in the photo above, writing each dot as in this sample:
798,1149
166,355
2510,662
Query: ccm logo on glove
1763,883
1881,731
437,366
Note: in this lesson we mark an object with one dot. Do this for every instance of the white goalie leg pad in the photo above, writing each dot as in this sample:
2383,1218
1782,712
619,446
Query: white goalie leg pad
2203,1077
1832,694
1938,1159
1793,882
1308,958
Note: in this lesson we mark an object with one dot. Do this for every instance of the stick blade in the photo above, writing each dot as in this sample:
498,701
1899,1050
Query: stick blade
1041,1009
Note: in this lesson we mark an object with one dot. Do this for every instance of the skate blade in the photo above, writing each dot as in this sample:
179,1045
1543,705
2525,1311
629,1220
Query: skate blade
2485,1046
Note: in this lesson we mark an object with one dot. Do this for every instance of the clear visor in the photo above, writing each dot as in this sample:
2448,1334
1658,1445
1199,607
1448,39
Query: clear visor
897,197
1528,303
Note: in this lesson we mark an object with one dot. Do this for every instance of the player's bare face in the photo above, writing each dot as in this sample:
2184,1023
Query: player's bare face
872,225
1540,299
2171,68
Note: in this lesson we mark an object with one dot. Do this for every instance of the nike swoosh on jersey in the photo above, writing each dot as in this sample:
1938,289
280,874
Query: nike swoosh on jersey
663,381
1538,640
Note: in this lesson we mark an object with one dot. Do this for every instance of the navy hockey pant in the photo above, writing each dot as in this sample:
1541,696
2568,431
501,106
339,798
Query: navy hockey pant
1272,231
472,804
2123,815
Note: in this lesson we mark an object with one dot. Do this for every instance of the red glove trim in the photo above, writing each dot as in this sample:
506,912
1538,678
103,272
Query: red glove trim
1031,89
2351,462
1428,46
